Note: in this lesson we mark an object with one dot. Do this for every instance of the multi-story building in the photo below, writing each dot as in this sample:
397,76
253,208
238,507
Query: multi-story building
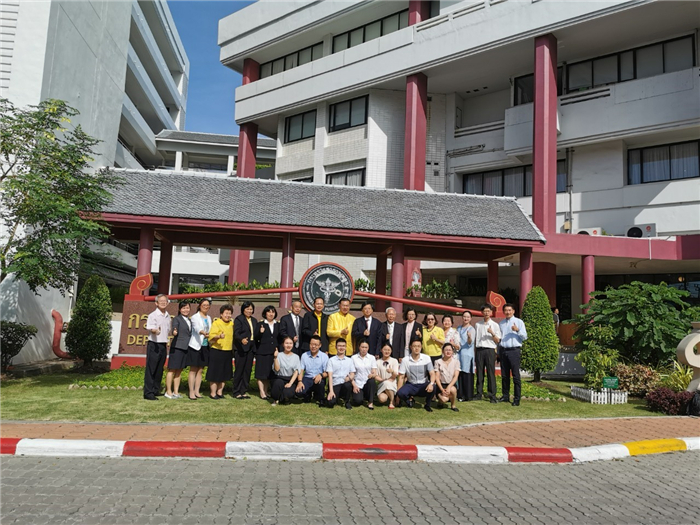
587,112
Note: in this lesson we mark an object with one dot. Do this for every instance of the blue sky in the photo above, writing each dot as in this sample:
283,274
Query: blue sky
210,98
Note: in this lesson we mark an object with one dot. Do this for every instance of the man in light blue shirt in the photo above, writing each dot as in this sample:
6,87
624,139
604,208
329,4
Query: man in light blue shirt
312,373
341,372
513,333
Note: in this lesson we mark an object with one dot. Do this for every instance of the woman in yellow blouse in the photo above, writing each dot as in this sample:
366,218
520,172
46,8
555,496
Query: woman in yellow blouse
220,355
433,337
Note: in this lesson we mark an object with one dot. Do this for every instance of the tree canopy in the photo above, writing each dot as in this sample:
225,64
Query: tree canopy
50,194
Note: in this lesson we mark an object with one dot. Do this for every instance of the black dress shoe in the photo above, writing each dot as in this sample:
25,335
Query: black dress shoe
213,397
504,399
516,403
427,408
150,398
410,403
219,397
494,401
348,406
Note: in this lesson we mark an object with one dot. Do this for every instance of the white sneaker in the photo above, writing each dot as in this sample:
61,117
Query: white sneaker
176,396
169,396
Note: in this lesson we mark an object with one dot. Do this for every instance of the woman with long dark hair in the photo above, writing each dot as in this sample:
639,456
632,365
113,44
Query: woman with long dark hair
198,350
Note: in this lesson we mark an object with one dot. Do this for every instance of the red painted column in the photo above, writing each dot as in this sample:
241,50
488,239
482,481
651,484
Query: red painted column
247,148
525,276
287,279
544,136
415,132
587,277
165,266
545,275
418,11
397,275
380,282
143,263
492,277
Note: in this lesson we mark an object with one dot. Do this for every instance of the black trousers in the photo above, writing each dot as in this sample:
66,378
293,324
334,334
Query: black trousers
342,392
486,359
241,375
155,360
409,390
510,364
279,392
366,393
311,388
465,386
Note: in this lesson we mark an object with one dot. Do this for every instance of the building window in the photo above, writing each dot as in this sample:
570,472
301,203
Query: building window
347,178
370,31
298,58
307,180
301,126
641,62
524,91
667,162
509,182
348,114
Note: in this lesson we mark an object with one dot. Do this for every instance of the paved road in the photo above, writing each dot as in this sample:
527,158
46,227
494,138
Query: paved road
658,490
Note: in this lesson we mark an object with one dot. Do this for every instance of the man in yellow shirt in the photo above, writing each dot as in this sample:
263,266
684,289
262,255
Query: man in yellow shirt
340,325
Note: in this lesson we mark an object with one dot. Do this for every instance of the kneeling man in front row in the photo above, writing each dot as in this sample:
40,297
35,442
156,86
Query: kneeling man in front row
416,377
341,372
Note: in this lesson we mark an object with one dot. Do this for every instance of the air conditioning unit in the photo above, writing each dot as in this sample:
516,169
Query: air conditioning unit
596,230
642,230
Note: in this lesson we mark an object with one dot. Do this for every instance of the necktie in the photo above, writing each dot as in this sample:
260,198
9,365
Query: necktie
296,328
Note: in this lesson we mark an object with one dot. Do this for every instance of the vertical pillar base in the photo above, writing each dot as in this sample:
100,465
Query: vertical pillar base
587,278
145,258
239,266
492,277
165,266
525,277
380,281
287,278
397,275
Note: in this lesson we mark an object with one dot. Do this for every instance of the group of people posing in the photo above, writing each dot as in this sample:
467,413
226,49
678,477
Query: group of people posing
336,359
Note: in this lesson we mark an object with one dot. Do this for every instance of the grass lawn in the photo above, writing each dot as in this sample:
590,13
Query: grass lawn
47,398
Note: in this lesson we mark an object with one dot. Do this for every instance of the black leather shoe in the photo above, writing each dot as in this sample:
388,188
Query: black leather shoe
348,406
516,403
427,408
494,401
504,399
410,403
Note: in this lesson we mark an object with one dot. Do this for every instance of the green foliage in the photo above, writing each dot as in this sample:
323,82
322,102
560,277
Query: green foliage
364,285
597,357
636,379
48,188
13,337
679,378
117,294
667,401
541,348
90,330
647,320
434,290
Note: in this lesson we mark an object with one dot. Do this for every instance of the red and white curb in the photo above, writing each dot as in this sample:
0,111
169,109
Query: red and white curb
254,450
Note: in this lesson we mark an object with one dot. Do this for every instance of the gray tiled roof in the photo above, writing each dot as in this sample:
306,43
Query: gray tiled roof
191,136
303,204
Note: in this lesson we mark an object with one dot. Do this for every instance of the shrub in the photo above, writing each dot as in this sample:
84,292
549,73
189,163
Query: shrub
364,285
541,348
636,379
647,320
13,337
90,330
598,364
669,402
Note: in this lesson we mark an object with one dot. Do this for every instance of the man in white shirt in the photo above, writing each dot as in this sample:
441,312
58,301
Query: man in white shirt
158,325
341,372
488,335
513,334
364,384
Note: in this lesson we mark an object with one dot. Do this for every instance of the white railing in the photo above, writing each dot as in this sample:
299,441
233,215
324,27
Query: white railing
604,396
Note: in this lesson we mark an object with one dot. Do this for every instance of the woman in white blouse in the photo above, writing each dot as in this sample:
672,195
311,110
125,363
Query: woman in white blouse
387,372
198,351
286,369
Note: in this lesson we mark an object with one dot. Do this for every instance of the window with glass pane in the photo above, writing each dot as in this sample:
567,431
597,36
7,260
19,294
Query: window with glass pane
580,76
513,183
655,164
309,125
493,183
684,161
354,178
278,66
390,24
356,37
294,125
304,56
678,55
524,89
634,166
561,176
357,113
266,70
373,30
340,42
403,19
605,70
290,62
528,181
340,114
626,66
650,61
337,179
317,52
472,184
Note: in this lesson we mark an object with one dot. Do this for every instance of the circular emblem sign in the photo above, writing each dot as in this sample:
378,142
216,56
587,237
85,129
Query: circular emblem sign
327,280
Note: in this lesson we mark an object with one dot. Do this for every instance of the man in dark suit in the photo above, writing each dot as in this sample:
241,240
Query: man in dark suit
310,324
367,327
290,325
393,333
